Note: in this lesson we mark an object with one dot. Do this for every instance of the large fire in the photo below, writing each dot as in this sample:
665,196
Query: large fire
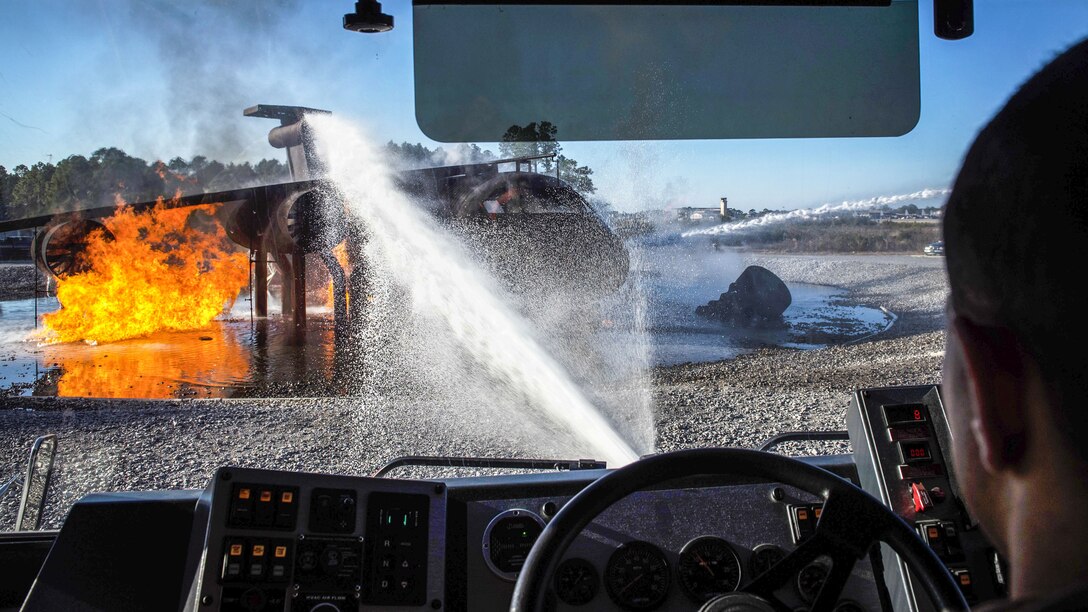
165,269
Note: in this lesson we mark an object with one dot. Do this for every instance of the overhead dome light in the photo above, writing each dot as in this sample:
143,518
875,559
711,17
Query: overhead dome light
368,18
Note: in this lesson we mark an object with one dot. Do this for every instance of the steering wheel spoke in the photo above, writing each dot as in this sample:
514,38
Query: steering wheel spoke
850,523
781,573
832,588
844,533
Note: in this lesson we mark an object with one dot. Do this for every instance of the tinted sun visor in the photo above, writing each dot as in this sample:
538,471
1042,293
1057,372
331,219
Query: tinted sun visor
639,71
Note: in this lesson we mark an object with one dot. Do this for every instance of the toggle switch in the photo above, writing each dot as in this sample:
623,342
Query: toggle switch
922,501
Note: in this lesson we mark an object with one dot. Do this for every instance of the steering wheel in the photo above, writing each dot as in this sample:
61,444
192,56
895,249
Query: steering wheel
850,523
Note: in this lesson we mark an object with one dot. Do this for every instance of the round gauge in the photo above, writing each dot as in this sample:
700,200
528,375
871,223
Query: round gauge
810,579
508,539
708,566
576,582
764,557
637,576
849,606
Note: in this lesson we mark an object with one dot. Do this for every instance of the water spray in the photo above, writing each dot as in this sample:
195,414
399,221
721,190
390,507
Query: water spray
444,281
806,214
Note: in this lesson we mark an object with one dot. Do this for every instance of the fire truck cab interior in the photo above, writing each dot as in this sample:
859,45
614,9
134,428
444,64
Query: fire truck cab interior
880,527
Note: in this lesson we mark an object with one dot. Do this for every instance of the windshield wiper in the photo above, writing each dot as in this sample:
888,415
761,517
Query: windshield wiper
490,462
803,436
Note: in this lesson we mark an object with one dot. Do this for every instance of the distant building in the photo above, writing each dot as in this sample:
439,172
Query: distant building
693,214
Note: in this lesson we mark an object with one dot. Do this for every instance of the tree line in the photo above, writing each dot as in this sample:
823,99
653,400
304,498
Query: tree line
534,139
77,182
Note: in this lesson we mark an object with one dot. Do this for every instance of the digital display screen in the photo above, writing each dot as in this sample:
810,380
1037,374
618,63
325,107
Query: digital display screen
915,452
905,413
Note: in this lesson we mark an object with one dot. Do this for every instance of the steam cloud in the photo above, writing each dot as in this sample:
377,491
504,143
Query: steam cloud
805,214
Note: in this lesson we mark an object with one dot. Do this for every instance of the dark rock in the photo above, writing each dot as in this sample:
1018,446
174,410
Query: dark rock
758,296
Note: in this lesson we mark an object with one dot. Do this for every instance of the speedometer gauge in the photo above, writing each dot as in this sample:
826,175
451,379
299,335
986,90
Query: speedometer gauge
637,576
708,566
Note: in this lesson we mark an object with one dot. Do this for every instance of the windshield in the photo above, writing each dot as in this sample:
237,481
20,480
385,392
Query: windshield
226,240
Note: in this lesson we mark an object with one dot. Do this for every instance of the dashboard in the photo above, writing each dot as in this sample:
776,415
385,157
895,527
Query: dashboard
265,540
673,548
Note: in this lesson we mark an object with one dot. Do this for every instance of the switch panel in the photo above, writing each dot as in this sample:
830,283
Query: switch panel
289,541
803,519
902,449
263,507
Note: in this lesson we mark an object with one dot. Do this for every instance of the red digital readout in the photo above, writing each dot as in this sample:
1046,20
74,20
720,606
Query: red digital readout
914,452
905,413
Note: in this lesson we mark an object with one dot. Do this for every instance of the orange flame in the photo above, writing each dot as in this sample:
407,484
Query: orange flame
160,272
340,251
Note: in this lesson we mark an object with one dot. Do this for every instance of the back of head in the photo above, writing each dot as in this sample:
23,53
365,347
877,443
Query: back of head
1016,229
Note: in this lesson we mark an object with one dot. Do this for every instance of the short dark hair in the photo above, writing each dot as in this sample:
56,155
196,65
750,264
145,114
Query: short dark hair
1015,230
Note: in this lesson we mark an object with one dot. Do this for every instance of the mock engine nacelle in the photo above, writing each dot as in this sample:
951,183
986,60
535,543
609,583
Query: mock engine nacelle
59,249
307,220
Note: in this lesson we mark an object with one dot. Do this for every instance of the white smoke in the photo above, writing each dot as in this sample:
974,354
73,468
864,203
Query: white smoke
806,214
414,157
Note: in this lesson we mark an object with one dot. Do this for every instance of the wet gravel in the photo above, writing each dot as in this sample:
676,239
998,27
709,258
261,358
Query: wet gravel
136,444
745,401
17,279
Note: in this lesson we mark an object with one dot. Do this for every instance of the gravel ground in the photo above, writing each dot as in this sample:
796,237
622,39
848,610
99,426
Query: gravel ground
135,444
743,402
17,279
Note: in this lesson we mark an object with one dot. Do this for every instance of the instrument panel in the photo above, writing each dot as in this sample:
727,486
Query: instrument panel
902,449
668,549
285,541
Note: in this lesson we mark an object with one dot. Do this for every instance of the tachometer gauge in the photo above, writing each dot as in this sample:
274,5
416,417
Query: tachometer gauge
708,566
637,576
576,582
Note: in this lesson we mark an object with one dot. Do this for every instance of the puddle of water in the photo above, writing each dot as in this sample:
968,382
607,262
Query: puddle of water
237,357
234,357
679,278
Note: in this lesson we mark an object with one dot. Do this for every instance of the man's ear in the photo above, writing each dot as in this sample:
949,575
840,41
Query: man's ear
995,368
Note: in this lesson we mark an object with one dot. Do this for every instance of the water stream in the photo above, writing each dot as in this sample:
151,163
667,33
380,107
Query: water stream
444,282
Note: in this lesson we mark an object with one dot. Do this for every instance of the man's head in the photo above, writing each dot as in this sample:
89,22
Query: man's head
1016,236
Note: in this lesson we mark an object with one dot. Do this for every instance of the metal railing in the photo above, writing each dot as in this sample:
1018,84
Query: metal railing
35,483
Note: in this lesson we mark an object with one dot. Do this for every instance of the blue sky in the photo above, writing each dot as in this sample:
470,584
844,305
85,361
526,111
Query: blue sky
161,79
